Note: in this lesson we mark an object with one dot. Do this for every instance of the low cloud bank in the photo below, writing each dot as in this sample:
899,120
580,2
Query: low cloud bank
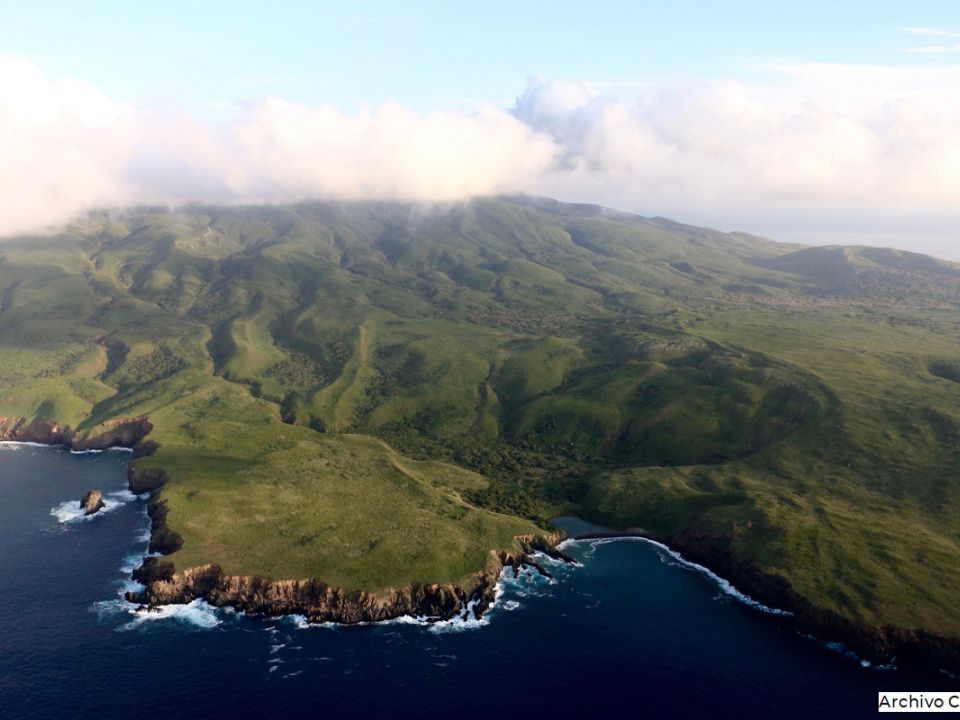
806,146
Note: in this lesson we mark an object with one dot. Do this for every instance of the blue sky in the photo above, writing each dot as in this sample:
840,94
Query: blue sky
430,55
816,121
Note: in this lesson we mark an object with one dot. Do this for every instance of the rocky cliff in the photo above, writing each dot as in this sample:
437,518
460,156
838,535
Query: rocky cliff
122,432
320,602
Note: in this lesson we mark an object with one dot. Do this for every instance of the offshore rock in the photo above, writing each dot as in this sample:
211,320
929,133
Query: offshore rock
92,502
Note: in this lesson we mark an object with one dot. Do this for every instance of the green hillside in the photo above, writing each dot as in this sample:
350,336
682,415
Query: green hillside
376,394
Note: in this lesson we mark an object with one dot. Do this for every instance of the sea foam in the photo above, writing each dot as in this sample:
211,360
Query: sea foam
70,511
508,585
198,613
17,444
840,649
672,556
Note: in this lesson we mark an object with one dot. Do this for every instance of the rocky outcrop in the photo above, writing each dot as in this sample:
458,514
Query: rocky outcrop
530,544
92,502
122,432
316,600
119,432
144,480
152,570
162,539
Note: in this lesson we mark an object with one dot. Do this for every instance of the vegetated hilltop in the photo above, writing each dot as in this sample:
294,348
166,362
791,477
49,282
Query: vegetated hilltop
376,394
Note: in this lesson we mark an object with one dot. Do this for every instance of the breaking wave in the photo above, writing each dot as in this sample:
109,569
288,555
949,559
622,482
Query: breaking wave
840,649
510,588
70,511
673,557
197,613
17,444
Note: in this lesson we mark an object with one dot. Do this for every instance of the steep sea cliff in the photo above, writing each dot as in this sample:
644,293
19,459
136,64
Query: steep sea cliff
319,602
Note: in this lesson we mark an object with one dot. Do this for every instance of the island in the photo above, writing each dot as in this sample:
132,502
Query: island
356,411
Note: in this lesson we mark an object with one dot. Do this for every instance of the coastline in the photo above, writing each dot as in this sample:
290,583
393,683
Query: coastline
311,598
72,451
726,587
321,603
123,433
614,599
876,646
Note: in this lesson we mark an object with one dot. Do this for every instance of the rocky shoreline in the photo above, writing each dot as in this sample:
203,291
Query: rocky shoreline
122,432
313,599
319,602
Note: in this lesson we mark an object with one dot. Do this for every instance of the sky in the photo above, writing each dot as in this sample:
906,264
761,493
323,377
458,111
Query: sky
817,122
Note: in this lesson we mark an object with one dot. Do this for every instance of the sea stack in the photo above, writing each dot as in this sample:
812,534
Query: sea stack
92,502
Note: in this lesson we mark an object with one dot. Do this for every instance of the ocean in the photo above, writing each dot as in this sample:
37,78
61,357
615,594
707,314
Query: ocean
630,630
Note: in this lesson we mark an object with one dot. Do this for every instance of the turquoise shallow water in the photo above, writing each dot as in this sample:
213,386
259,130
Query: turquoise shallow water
629,631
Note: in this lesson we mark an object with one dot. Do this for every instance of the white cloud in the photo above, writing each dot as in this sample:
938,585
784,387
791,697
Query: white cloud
932,32
295,150
279,151
932,49
63,146
66,147
846,136
809,147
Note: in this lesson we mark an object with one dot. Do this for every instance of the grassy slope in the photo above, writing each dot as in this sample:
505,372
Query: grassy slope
641,372
855,510
345,508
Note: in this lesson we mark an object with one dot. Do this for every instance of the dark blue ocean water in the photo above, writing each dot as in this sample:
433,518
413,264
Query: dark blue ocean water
630,632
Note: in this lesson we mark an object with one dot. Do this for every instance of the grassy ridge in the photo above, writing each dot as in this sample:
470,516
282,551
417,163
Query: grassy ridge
521,358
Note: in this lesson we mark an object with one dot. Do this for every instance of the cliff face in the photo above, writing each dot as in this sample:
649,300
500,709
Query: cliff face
320,602
312,598
162,539
123,432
